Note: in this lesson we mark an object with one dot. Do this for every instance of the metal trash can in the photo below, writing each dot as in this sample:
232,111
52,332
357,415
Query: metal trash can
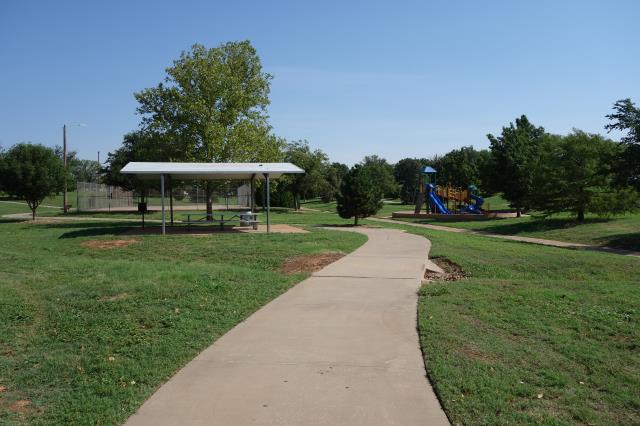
246,218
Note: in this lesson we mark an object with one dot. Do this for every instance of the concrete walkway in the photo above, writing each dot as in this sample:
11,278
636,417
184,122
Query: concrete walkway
340,348
531,240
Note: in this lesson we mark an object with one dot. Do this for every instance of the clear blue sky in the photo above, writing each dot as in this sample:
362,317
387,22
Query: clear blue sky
391,78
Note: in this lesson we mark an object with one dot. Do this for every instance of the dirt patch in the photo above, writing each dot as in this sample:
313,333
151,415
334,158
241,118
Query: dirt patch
109,244
473,352
452,271
309,262
114,298
21,406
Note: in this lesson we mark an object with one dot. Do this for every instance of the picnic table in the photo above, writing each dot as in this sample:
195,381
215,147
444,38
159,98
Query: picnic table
244,218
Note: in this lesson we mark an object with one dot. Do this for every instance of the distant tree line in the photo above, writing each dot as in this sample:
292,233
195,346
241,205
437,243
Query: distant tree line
211,107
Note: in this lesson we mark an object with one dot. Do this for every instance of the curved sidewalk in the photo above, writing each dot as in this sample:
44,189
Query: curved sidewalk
340,348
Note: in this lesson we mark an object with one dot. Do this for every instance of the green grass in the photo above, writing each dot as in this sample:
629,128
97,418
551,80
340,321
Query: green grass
56,200
615,231
86,335
619,231
388,207
529,321
496,202
14,207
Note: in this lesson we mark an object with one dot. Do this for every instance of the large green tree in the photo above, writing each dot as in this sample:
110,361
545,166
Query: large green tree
515,153
136,146
462,167
31,173
575,174
360,195
85,171
626,118
313,162
408,174
212,108
381,173
80,170
2,154
333,176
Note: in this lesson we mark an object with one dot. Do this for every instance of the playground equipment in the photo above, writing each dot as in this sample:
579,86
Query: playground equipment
447,199
478,201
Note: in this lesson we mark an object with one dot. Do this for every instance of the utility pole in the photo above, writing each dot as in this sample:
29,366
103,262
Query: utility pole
64,159
98,157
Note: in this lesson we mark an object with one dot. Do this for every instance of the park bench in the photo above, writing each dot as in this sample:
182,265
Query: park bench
243,219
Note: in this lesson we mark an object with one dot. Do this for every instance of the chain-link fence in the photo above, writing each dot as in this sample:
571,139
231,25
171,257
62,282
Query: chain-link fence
96,196
100,197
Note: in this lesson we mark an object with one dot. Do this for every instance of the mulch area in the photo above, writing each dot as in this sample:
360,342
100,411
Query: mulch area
452,271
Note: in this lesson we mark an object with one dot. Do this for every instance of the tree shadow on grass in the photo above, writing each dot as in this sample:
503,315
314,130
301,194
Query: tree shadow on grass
628,241
539,225
11,220
88,229
112,213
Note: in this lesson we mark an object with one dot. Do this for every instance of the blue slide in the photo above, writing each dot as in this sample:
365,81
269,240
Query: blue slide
477,207
436,201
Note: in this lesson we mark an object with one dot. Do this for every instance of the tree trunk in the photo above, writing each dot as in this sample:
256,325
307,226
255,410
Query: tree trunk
355,223
33,214
581,215
518,213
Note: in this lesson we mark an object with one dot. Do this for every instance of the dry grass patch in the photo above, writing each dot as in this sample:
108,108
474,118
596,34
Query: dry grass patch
21,406
114,298
109,244
473,352
309,262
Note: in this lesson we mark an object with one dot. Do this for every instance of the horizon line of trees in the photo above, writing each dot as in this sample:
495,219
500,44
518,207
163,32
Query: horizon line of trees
532,169
212,107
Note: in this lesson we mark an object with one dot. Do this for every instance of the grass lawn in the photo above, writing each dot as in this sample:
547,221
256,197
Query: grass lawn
56,200
496,202
620,231
87,334
534,334
13,207
388,207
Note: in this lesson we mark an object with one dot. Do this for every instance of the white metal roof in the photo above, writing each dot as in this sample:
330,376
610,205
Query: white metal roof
210,171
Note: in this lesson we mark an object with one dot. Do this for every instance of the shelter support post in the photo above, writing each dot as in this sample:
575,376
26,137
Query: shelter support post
266,176
252,198
162,197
